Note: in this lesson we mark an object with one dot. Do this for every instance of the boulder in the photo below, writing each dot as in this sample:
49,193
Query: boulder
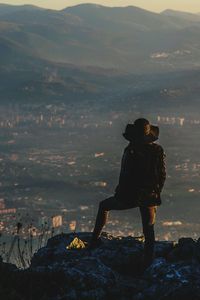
65,269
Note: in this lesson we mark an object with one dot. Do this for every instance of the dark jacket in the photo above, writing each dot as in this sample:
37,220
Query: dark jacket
142,174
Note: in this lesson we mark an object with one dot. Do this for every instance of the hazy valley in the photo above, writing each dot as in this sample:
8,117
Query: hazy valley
70,81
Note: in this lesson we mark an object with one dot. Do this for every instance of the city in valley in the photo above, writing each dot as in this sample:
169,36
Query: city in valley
54,171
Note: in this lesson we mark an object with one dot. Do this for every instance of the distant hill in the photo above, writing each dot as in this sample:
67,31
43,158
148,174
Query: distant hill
126,38
87,51
118,18
5,8
182,15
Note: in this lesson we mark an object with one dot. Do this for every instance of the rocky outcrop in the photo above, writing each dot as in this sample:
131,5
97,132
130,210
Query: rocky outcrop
112,271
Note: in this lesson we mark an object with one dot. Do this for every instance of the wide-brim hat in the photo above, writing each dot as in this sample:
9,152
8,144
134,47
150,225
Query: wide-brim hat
141,131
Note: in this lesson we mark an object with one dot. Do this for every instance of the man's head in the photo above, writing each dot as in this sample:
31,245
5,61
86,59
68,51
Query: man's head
142,127
141,131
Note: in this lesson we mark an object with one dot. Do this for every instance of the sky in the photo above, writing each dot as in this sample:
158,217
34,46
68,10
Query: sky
153,5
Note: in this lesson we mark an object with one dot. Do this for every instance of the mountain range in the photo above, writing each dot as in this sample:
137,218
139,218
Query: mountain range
77,48
126,38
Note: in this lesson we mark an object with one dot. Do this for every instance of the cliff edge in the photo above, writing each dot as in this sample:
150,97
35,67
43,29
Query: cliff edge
60,271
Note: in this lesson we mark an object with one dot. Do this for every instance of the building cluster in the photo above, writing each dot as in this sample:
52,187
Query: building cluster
4,210
7,215
171,120
39,223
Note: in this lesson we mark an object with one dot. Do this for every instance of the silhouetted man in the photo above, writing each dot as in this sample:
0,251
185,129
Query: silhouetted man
141,181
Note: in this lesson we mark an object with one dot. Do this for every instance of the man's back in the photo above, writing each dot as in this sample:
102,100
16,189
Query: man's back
143,167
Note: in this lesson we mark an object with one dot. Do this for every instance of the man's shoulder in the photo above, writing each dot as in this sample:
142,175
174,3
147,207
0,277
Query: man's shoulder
152,147
157,148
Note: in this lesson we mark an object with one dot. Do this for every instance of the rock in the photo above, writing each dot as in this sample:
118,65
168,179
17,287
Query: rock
172,279
185,249
111,271
163,248
197,251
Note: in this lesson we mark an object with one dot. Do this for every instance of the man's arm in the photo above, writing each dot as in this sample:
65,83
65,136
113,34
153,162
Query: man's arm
122,176
161,169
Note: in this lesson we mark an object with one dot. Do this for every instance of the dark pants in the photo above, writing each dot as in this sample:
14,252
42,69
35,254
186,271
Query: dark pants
148,215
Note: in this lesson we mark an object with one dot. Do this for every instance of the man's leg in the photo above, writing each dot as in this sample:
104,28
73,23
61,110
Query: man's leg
148,215
104,207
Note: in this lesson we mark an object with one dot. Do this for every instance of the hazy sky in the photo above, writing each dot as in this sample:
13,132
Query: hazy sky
153,5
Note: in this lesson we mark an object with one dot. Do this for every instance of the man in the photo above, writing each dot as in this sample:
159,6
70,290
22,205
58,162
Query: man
141,180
